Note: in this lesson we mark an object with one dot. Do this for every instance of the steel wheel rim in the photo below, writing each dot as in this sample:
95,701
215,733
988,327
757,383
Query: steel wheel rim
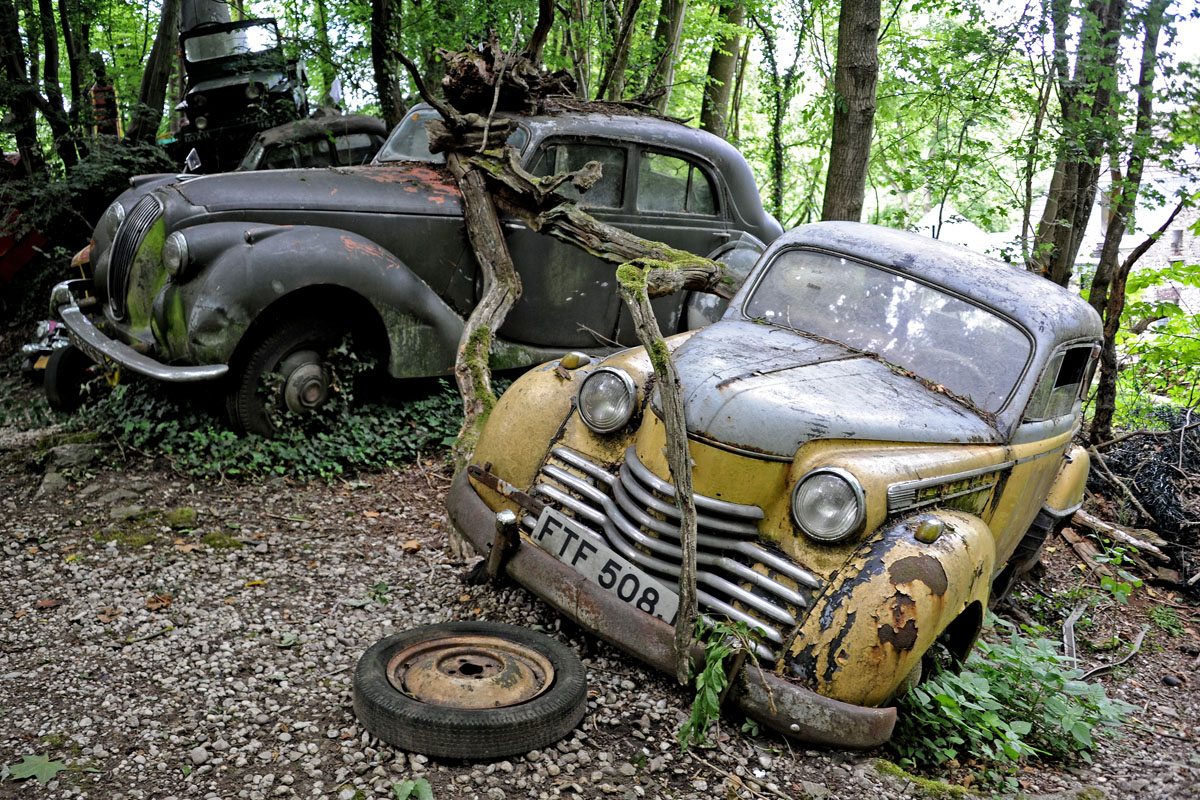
470,672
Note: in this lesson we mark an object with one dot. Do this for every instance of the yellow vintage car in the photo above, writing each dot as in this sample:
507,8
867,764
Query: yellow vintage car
881,430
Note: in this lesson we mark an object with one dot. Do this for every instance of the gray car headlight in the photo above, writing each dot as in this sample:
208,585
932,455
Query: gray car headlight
175,254
607,399
114,215
828,504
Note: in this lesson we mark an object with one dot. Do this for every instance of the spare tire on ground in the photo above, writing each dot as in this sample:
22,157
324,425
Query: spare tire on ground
470,690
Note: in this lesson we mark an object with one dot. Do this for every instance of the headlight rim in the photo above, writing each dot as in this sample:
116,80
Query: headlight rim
860,499
631,394
113,222
174,271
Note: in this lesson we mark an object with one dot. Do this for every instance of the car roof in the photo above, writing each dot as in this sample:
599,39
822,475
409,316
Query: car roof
1050,313
322,126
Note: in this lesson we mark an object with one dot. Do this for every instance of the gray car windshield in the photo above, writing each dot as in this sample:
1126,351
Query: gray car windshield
408,142
939,337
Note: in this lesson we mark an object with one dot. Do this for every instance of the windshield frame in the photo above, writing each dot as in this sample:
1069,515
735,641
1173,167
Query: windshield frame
266,23
1016,391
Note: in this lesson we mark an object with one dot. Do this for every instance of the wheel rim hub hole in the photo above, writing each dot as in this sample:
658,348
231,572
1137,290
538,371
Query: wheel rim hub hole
307,386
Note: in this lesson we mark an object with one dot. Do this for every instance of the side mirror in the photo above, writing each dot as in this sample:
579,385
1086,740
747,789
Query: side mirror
192,162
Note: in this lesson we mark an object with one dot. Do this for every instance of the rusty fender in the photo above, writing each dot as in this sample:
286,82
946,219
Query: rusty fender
890,601
778,703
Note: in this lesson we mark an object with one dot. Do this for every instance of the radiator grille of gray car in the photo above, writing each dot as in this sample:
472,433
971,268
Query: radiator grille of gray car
125,247
634,511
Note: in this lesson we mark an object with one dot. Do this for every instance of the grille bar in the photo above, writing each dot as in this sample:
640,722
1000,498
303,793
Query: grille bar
125,246
631,512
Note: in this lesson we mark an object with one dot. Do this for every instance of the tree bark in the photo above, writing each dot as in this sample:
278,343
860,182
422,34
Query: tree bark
666,50
537,41
147,114
855,77
612,83
21,93
722,66
1085,130
324,51
384,18
75,67
1107,294
52,106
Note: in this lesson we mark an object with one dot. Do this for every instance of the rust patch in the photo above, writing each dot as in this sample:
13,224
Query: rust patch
900,638
358,248
924,568
437,185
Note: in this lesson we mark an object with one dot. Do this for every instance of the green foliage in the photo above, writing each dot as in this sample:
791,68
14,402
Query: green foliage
146,418
40,767
1121,584
1015,700
721,640
418,789
1167,620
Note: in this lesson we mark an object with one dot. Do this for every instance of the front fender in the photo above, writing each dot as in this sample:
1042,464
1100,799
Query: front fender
883,609
1066,495
240,270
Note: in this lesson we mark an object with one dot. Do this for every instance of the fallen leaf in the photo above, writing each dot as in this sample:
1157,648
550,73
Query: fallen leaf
48,602
33,551
464,598
255,583
71,557
411,546
107,614
288,639
40,767
155,602
19,614
187,547
370,514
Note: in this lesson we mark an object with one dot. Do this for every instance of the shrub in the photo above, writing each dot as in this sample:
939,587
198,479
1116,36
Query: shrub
1015,699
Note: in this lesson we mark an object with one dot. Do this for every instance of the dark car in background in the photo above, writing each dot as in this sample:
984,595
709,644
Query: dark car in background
233,278
329,140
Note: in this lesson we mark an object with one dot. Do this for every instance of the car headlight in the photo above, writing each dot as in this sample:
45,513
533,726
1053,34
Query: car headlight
175,254
114,215
828,504
253,91
607,398
201,123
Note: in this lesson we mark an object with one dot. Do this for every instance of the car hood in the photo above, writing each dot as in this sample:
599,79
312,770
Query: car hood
768,390
408,188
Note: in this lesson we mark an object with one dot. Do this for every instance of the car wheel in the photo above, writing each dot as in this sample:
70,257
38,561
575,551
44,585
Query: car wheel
287,370
66,372
472,690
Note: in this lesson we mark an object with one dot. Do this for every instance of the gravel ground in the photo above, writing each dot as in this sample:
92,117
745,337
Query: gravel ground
172,639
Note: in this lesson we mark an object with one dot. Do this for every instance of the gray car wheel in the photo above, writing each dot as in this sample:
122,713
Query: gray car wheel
472,690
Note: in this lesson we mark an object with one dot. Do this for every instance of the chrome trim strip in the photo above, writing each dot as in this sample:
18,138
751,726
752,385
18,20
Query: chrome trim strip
707,503
98,347
903,494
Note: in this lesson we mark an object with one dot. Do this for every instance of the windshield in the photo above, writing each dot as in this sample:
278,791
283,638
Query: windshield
226,43
408,141
949,342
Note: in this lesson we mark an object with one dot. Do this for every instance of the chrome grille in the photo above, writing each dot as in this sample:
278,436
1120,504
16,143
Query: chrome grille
634,512
125,246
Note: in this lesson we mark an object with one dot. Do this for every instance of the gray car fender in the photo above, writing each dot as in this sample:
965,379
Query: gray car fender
240,272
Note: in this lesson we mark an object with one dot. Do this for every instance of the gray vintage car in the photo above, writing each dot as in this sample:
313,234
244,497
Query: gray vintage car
241,276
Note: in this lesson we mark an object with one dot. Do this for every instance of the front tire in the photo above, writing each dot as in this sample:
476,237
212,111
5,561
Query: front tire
297,352
66,373
471,690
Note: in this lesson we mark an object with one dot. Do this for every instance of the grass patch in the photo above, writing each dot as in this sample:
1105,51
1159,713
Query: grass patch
921,787
129,538
219,540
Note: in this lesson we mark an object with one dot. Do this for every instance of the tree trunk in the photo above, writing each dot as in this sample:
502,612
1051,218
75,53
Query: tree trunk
1107,294
385,16
722,66
75,67
52,107
32,38
146,116
21,93
1085,131
537,41
666,50
855,76
612,83
735,113
324,51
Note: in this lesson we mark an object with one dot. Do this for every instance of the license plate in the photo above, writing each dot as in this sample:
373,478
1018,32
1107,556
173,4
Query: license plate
583,551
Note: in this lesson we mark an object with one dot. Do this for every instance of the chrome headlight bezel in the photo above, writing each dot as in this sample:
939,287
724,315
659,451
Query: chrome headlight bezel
625,405
175,256
850,523
112,218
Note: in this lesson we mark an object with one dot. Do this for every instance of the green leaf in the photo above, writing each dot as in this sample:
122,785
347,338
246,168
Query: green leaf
40,767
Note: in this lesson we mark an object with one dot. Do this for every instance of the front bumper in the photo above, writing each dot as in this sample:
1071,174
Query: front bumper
781,705
101,348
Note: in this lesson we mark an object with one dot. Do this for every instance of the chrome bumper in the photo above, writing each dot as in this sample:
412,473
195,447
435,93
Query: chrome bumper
100,348
780,704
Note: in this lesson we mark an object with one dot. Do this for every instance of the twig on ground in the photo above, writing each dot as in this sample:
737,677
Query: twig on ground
1137,645
1120,483
740,781
1131,434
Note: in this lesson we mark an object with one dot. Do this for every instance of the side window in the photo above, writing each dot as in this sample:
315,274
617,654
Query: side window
1067,376
667,183
609,191
354,149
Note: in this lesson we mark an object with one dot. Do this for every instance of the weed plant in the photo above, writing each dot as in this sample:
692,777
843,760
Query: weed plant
144,418
1014,700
